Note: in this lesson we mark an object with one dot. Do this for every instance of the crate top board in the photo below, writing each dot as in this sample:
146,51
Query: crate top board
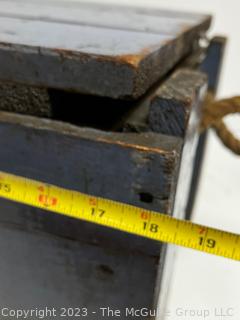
110,51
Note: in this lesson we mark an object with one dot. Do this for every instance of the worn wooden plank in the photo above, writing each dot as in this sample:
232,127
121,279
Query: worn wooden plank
38,270
139,169
139,151
130,51
168,107
171,107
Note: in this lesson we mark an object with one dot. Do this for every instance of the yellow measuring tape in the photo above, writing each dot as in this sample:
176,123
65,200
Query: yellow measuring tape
119,216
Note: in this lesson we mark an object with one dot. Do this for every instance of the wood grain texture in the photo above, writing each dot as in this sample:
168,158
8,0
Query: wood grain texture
47,45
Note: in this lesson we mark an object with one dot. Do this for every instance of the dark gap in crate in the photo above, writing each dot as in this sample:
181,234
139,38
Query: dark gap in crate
96,112
87,110
82,110
102,112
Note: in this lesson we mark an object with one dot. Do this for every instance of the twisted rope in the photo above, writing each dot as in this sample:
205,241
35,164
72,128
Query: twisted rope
214,112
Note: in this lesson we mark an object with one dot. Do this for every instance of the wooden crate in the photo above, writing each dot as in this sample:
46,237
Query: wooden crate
138,151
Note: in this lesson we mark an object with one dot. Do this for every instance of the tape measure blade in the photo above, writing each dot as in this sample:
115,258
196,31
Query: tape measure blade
120,216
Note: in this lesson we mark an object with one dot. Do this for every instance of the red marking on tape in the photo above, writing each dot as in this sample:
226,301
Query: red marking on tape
144,215
93,201
202,230
41,188
47,201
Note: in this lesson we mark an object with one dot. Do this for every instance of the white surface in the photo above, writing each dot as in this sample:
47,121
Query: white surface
203,282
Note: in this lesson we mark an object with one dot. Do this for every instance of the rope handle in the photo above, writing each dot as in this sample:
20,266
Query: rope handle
213,114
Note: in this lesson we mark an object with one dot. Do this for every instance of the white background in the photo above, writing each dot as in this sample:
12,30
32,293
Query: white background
200,281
